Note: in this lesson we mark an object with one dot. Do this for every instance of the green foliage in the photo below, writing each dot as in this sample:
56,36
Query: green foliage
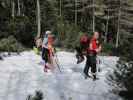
125,50
38,96
107,48
21,29
122,77
48,15
71,36
60,28
10,44
23,26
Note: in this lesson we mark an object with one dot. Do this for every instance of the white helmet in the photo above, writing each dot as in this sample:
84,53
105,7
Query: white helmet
48,32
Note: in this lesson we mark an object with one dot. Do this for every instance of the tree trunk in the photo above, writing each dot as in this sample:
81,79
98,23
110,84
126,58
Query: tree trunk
82,16
107,24
93,16
118,29
19,12
13,8
38,19
60,8
22,9
76,12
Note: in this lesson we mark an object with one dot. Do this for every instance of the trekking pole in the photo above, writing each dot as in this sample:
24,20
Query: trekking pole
57,62
58,66
98,63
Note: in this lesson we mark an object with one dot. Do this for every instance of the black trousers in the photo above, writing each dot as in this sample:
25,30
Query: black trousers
45,54
90,63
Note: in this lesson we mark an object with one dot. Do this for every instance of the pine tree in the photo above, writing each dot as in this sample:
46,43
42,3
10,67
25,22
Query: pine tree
120,12
122,77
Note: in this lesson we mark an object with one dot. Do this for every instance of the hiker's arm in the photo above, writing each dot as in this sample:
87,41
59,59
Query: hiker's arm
90,46
98,50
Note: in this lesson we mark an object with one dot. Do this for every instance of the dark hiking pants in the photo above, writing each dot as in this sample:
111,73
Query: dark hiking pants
90,63
45,54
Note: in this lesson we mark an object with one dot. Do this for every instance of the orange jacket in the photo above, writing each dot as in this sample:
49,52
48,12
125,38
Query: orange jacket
94,46
50,44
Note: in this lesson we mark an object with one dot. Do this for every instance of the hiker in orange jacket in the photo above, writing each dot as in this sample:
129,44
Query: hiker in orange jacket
93,49
47,50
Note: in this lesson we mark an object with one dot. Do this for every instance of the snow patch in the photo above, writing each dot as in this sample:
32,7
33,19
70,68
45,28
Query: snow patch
23,75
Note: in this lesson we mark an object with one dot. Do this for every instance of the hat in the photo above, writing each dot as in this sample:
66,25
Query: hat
48,32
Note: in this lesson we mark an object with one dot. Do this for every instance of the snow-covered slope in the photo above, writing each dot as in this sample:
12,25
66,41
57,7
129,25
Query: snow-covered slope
22,75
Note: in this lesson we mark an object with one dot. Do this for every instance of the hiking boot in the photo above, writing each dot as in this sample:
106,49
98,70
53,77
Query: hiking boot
1,58
94,77
45,70
46,66
86,76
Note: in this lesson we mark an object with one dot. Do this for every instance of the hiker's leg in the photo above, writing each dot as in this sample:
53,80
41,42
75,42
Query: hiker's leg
45,54
86,69
93,66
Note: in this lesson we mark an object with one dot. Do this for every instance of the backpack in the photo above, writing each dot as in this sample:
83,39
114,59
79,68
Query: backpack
84,41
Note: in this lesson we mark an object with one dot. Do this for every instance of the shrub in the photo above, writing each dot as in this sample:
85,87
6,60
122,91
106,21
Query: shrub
72,36
10,44
38,96
107,48
122,79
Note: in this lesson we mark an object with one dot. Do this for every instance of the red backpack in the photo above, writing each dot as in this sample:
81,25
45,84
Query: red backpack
84,40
